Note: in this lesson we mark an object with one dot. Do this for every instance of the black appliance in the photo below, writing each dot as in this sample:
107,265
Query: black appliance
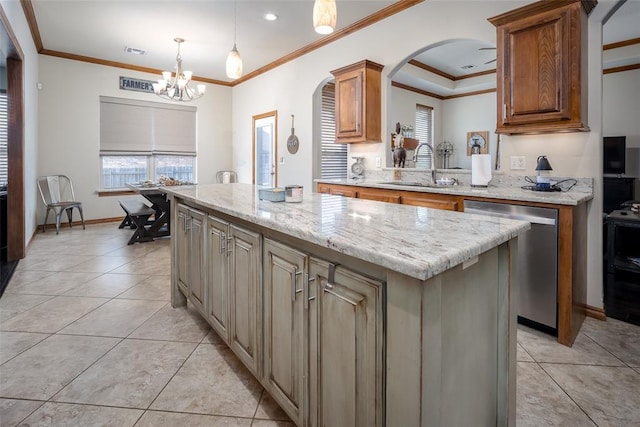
614,154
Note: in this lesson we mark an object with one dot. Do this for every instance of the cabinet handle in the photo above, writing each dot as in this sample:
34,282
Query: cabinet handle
295,291
229,246
221,243
504,110
187,223
331,278
305,295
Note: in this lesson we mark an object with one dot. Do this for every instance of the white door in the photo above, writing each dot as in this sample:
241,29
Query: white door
265,127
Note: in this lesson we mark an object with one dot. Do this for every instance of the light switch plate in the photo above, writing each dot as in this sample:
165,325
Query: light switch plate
518,163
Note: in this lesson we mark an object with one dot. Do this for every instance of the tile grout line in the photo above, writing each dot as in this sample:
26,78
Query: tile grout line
567,393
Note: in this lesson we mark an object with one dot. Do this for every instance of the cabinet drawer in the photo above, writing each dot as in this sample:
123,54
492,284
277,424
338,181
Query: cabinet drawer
448,205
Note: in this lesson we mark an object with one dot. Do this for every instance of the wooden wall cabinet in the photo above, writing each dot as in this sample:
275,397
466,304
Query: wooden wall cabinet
358,110
541,67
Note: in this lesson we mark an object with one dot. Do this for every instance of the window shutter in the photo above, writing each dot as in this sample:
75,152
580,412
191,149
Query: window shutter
129,126
424,128
4,139
333,163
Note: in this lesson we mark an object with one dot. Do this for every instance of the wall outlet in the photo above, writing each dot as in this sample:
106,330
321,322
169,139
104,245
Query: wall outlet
518,163
378,162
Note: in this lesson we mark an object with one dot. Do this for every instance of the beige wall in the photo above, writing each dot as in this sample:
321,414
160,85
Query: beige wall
69,127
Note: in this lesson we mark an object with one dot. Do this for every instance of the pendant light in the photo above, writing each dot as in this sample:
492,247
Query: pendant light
234,62
324,16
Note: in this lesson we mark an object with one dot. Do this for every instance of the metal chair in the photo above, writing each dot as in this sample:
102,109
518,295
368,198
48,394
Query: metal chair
226,177
57,194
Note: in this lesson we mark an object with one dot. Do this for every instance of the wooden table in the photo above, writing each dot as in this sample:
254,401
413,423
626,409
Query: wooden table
161,225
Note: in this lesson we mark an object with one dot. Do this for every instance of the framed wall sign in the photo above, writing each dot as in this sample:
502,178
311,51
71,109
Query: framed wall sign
478,142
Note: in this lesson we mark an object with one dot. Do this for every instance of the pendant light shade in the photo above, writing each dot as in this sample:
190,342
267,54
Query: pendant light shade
324,16
234,62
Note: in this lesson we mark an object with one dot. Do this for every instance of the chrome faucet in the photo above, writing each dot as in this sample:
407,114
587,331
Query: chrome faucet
433,160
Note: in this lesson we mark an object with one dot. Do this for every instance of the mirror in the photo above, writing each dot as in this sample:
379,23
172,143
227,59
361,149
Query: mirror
457,78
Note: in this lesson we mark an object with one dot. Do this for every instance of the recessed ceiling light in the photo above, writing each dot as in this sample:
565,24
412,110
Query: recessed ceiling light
270,16
134,51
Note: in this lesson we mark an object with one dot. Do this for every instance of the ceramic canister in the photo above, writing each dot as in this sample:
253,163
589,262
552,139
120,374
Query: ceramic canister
293,193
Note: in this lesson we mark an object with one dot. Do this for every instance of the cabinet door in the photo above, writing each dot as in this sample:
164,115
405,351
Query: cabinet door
245,286
346,192
197,293
181,236
430,203
345,348
378,195
218,277
283,326
348,110
541,77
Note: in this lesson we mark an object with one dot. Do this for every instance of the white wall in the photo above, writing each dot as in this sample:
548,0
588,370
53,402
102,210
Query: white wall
69,127
18,23
469,114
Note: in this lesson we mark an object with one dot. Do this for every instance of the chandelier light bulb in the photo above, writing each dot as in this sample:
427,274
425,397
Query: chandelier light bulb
324,16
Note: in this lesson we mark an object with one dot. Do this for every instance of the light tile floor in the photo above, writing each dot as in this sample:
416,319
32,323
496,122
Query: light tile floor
88,337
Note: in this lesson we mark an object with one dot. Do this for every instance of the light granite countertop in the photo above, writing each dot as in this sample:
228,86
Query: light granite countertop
505,190
416,241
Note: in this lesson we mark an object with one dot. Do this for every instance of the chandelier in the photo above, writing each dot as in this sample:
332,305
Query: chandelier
324,16
176,87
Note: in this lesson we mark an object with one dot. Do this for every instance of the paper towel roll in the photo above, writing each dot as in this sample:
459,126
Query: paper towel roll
226,177
480,170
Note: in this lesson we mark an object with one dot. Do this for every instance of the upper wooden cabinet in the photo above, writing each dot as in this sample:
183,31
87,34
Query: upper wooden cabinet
358,103
541,67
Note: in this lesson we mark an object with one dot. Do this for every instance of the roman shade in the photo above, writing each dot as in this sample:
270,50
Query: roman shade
134,127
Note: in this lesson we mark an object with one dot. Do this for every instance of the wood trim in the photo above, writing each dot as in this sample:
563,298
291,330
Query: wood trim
27,8
273,113
441,97
123,65
431,69
622,43
16,248
416,90
621,69
532,9
388,11
477,92
447,75
116,193
64,224
595,313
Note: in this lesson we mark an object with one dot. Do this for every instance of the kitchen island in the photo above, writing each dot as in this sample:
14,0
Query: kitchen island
355,312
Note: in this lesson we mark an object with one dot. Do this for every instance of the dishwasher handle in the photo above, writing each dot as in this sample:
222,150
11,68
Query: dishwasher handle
529,218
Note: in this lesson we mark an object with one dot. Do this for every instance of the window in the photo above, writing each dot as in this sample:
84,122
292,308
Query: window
142,140
333,157
424,128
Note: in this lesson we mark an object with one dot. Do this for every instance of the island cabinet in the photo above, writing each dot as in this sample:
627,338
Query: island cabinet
358,109
190,240
345,334
317,313
541,67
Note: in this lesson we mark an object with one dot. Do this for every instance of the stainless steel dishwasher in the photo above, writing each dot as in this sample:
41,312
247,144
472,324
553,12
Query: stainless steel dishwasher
537,261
